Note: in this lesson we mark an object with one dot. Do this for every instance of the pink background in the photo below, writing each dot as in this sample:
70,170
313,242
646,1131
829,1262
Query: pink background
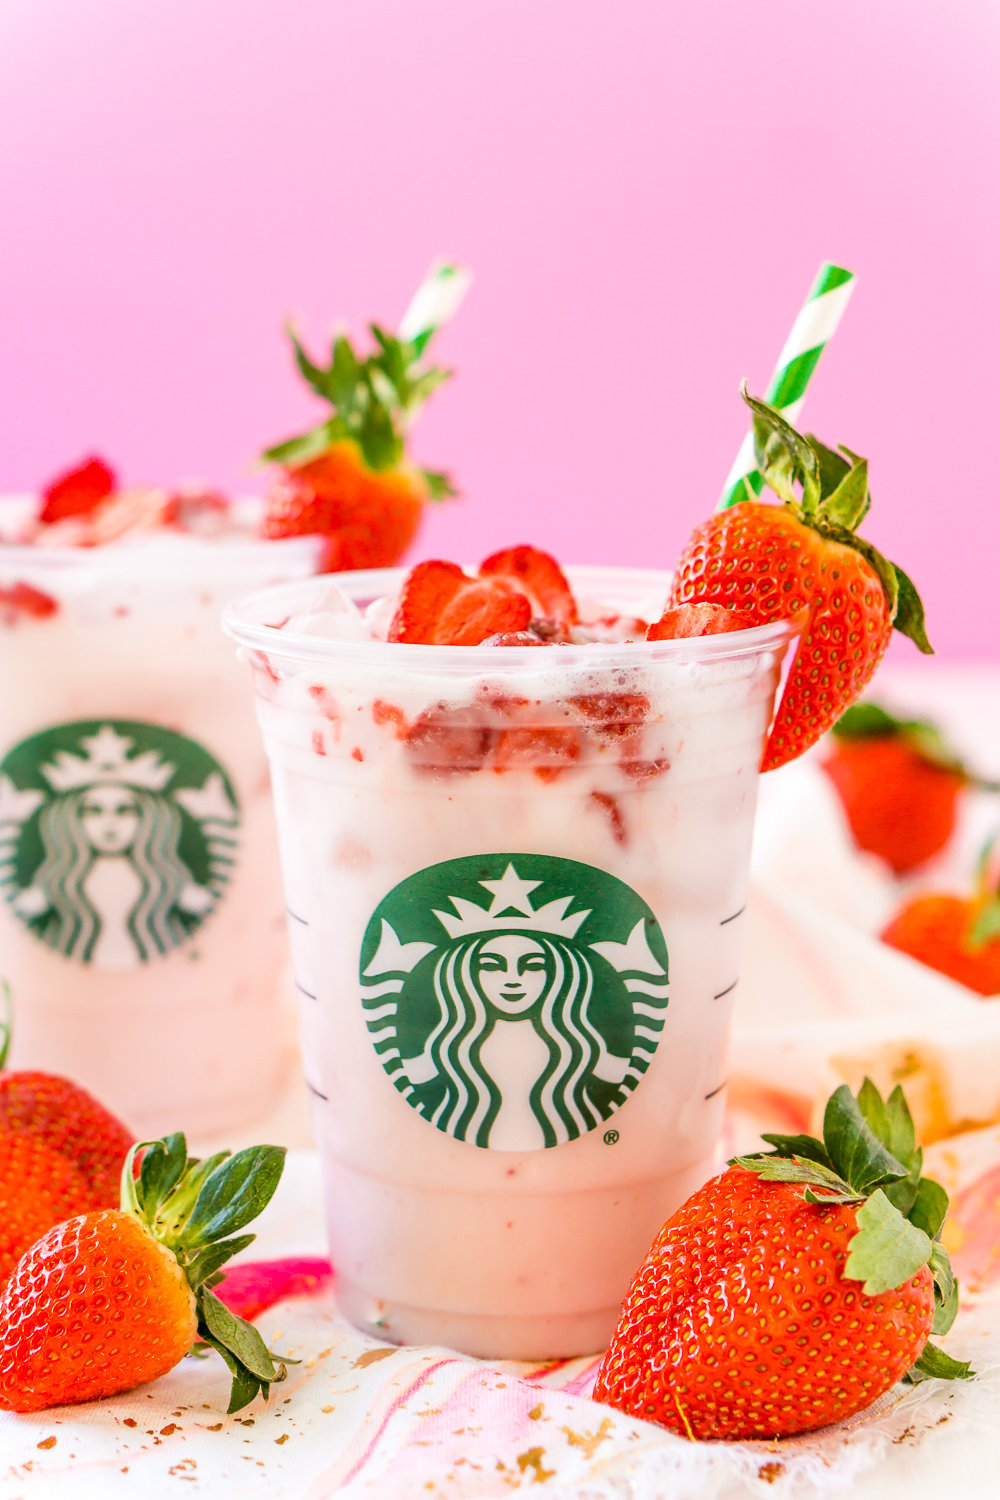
643,187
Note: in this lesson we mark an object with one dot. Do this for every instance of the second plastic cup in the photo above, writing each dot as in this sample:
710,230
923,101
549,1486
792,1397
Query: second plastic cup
515,880
141,917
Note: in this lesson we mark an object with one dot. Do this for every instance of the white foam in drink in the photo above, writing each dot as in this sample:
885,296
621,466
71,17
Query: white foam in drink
141,918
514,879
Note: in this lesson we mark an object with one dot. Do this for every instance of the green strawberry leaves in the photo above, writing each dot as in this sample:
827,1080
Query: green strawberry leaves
375,398
869,1157
985,927
829,492
309,445
193,1208
946,1286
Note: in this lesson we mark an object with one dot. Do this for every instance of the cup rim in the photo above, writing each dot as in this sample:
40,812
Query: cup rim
244,620
152,554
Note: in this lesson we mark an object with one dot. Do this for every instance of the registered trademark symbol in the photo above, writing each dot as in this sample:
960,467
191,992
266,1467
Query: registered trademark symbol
611,1137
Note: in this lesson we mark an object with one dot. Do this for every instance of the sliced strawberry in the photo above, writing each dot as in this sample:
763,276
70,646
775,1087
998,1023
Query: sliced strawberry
689,620
131,511
250,1288
446,741
427,590
479,610
541,748
611,808
538,575
78,492
619,627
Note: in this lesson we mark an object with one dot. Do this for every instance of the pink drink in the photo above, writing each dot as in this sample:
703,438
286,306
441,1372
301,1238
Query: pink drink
141,920
514,878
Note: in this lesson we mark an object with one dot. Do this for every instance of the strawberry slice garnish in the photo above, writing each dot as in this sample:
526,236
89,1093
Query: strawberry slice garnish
350,479
251,1287
539,576
794,1289
115,1297
899,783
78,492
441,606
447,741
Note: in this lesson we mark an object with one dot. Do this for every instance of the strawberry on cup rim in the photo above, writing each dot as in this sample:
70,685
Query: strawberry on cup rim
350,479
793,1289
177,1225
269,619
772,561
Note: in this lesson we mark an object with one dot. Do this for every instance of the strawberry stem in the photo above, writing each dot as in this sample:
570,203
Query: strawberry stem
828,491
6,1021
872,721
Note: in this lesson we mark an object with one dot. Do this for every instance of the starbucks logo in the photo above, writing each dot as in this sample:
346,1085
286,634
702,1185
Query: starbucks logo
514,1000
117,839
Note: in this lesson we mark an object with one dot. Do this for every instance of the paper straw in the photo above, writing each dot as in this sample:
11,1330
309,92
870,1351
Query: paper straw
435,302
811,332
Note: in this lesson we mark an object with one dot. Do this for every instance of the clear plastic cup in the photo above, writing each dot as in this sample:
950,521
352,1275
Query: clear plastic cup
142,927
515,878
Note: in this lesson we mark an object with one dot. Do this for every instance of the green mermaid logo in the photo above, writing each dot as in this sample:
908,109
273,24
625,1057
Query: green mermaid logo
521,1020
116,839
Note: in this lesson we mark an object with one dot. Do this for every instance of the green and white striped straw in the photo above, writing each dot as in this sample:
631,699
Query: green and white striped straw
811,332
435,302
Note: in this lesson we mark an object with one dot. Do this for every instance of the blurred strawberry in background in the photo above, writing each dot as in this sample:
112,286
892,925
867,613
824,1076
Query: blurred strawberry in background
350,479
900,783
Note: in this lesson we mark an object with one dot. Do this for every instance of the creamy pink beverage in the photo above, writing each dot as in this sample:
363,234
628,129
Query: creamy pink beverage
515,879
142,925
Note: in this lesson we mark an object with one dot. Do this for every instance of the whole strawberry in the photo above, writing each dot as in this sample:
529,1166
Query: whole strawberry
899,783
792,1290
349,479
109,1300
771,562
956,935
77,492
66,1119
